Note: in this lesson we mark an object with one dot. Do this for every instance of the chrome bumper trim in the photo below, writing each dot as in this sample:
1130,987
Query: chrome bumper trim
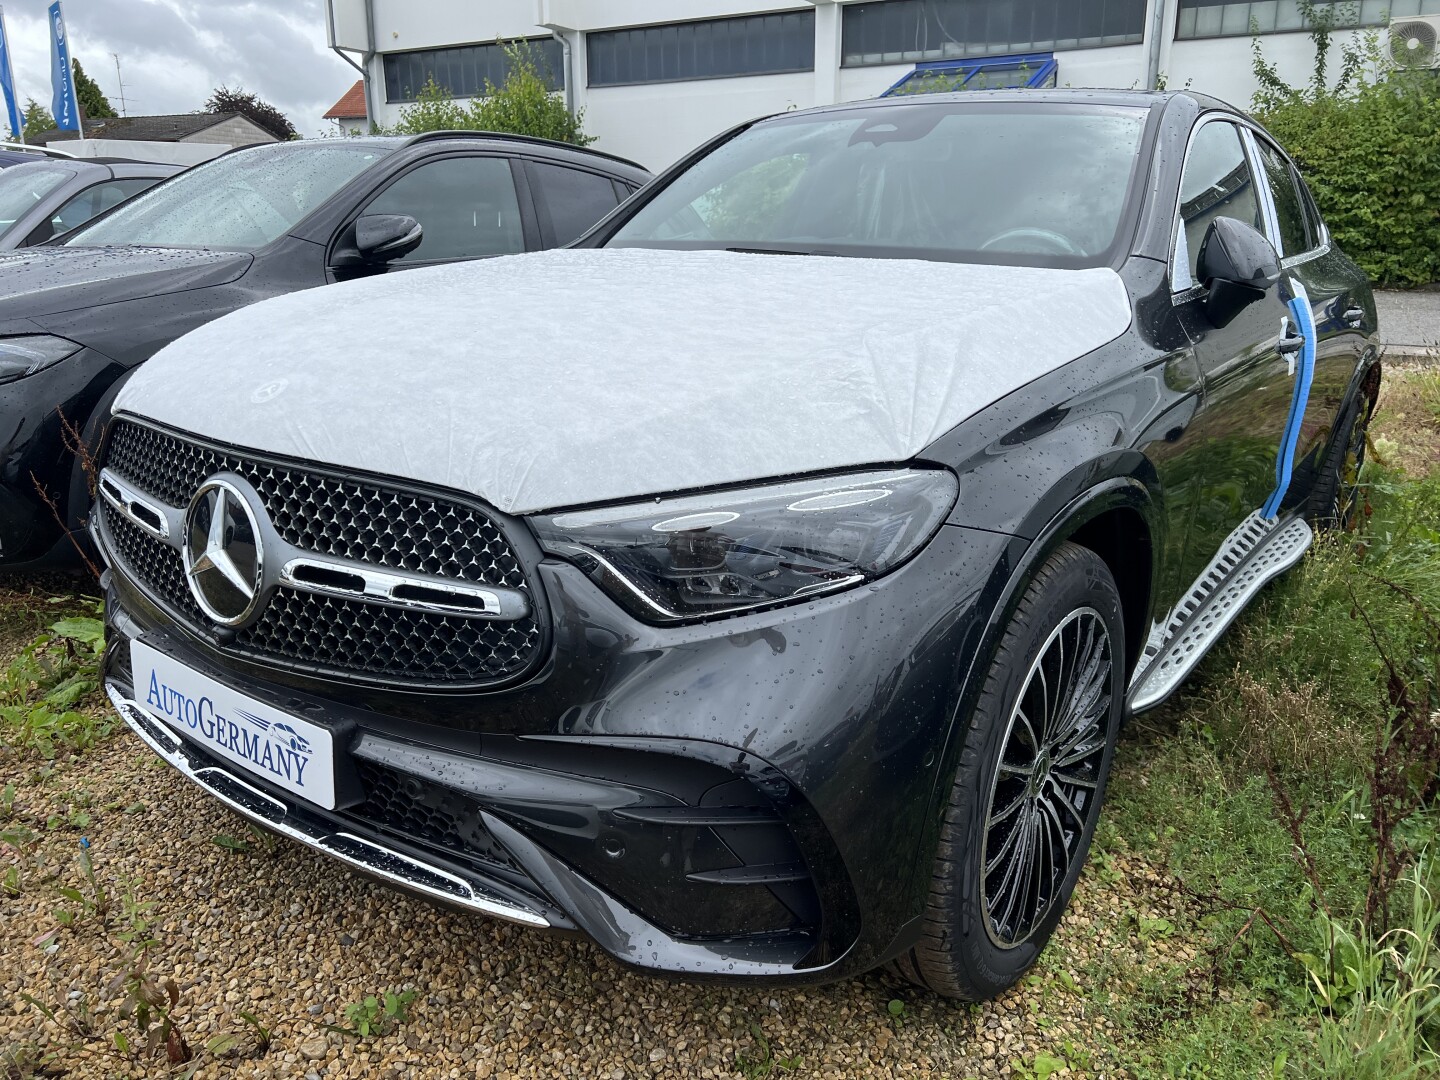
272,813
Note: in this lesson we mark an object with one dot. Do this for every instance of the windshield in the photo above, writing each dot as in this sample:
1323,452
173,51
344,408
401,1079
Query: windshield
22,186
1042,185
241,201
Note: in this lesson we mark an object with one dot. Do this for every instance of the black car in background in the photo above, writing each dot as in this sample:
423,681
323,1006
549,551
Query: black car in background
40,200
77,315
768,608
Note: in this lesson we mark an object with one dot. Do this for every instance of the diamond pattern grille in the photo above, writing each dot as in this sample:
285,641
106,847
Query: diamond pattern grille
362,521
419,810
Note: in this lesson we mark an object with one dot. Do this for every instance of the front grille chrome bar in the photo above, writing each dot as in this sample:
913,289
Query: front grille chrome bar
418,592
152,518
327,575
271,813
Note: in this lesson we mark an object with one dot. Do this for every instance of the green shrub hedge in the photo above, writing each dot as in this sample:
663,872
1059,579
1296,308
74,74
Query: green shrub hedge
1372,160
1368,142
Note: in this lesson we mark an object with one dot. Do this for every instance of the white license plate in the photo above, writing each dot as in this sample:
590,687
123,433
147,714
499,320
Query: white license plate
289,752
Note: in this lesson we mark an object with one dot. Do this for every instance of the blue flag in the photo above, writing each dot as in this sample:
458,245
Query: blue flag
7,80
63,106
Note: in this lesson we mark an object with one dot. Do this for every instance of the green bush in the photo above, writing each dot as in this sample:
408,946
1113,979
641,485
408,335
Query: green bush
1369,146
523,104
1372,160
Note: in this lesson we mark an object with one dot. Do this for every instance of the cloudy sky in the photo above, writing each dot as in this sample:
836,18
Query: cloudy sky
174,52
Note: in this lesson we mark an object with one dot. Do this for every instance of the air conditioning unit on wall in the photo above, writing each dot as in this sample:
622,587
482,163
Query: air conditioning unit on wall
1414,43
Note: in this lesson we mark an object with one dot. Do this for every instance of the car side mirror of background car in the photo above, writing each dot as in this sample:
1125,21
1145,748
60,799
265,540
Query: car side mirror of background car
378,238
1238,266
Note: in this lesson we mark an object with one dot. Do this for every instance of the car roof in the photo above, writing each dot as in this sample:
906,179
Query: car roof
508,141
492,140
10,158
98,168
1067,96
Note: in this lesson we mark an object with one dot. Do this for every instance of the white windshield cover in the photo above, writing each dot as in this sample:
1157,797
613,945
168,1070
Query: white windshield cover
565,378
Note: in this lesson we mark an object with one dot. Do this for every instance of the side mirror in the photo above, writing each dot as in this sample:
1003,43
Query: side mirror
1238,266
379,238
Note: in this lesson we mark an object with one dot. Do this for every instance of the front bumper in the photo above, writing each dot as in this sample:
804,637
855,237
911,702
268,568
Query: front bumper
755,797
290,819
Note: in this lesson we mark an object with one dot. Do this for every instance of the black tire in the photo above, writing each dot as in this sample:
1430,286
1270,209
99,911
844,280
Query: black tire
1337,497
974,945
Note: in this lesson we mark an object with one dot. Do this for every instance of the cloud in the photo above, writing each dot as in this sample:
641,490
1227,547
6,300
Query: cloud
173,53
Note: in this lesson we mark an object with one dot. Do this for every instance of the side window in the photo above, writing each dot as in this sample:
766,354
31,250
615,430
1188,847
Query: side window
1294,236
465,205
1314,223
1216,183
576,199
93,200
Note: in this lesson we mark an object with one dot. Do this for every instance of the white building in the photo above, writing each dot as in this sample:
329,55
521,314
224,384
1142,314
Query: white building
658,77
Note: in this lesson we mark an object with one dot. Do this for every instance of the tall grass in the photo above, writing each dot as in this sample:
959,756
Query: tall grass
1298,776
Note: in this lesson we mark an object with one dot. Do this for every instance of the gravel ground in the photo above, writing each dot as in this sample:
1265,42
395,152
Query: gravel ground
292,938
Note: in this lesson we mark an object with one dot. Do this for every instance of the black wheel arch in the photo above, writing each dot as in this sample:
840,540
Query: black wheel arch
1109,510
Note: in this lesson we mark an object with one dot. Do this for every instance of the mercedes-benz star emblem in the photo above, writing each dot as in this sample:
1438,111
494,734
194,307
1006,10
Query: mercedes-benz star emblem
223,556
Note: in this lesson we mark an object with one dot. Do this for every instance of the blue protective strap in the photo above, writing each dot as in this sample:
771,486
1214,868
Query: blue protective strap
1304,318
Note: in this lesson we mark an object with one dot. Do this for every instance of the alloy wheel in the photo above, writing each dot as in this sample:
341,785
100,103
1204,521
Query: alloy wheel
1044,795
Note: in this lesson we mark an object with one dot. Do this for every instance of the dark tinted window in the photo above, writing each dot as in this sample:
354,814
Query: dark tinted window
576,199
1294,239
1314,223
466,205
712,48
903,31
1216,183
465,69
92,201
1225,18
1042,186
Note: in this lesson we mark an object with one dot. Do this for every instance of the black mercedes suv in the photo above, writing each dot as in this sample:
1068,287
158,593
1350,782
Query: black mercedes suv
759,584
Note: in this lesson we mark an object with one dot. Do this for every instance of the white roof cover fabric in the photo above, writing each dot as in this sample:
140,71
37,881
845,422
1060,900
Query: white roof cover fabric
564,378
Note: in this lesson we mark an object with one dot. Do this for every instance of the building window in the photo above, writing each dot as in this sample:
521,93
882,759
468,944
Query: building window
712,49
1241,18
909,31
464,69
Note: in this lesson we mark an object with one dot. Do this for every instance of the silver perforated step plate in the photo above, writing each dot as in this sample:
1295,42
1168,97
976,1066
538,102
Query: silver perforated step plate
1254,554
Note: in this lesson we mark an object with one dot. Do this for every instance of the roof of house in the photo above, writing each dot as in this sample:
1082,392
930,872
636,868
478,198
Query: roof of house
172,128
351,105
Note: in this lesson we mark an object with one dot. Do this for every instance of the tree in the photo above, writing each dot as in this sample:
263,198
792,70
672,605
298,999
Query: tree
523,104
93,103
240,100
432,110
37,118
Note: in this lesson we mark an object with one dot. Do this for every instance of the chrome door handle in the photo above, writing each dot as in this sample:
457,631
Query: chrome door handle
1354,318
1290,345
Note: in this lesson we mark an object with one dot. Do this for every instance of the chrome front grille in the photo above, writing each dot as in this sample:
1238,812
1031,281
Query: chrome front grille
345,518
152,563
339,634
366,523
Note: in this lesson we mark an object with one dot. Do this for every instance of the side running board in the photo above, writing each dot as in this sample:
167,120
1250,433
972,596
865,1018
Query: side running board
1255,553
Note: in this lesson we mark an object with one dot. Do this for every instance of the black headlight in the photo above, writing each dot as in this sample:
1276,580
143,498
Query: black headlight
28,353
672,559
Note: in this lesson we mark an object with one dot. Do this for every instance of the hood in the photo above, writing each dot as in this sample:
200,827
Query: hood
49,280
565,378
